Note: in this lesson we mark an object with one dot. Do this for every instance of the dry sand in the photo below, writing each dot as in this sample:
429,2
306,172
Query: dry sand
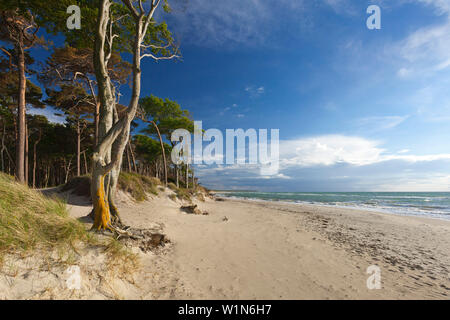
266,250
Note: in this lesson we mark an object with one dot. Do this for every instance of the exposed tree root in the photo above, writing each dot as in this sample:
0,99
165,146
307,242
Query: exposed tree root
107,219
114,214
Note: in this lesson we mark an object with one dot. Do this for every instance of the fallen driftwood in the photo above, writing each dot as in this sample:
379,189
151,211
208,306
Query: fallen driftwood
145,239
193,209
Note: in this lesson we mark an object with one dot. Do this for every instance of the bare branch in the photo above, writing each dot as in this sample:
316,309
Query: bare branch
120,18
33,36
145,46
78,73
173,56
155,4
130,6
141,7
89,82
11,64
110,38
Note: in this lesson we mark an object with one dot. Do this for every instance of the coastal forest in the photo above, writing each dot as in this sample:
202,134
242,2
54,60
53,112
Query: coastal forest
100,136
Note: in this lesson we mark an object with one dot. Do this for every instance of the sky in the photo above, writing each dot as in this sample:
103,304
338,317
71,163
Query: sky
356,109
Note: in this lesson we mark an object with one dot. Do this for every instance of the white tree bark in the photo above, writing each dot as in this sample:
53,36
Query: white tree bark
114,132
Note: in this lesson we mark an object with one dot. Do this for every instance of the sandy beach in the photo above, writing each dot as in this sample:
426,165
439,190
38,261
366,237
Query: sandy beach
261,250
269,250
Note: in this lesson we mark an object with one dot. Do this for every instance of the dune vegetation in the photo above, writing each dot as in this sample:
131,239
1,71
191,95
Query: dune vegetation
30,220
98,145
136,185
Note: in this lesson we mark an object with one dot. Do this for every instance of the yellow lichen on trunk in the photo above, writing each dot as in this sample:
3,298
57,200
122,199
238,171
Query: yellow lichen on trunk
101,208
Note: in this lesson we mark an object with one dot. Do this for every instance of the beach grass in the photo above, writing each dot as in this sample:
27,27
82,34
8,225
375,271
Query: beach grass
181,193
29,220
32,223
137,185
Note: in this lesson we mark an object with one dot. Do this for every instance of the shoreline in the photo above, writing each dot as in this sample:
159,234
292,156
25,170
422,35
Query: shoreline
349,207
357,210
267,250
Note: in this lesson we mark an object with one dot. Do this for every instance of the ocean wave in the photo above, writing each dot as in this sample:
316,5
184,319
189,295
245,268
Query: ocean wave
437,205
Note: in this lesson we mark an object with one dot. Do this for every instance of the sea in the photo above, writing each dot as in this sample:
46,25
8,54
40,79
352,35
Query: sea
429,204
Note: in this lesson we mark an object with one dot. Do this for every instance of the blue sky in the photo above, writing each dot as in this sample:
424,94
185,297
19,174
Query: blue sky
357,109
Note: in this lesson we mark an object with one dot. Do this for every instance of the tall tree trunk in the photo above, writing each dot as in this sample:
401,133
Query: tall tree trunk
107,156
26,153
85,163
163,152
187,176
132,155
78,149
112,140
118,147
96,121
47,176
67,170
34,157
20,149
96,111
102,153
3,147
128,159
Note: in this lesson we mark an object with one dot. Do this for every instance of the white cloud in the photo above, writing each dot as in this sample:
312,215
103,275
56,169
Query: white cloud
381,123
417,158
442,6
221,22
255,91
426,50
328,150
431,183
335,149
206,158
403,72
235,22
282,176
432,102
340,163
341,6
